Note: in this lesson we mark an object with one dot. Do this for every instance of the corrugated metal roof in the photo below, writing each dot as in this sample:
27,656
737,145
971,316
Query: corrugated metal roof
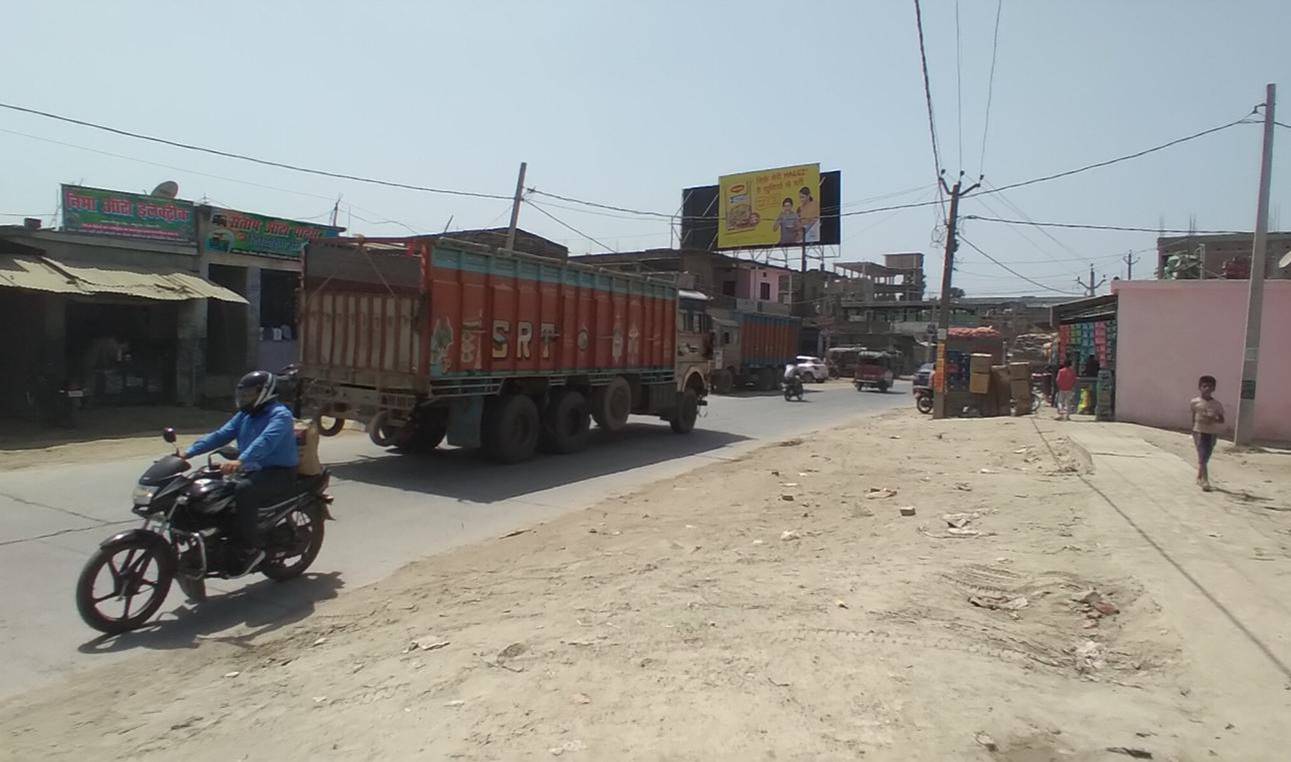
45,274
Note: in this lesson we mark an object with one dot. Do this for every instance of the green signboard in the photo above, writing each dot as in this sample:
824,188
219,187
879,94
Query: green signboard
245,233
127,215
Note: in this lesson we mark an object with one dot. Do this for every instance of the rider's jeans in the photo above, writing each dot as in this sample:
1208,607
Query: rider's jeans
259,489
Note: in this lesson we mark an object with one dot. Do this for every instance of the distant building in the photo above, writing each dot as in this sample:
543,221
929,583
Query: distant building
1215,251
730,281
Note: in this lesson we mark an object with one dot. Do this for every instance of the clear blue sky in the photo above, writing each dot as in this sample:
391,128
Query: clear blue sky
627,103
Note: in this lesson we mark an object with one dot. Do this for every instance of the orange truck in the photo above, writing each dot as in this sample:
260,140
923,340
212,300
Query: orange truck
424,339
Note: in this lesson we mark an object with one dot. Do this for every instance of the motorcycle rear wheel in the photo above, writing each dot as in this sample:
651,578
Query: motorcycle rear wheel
308,519
924,403
128,578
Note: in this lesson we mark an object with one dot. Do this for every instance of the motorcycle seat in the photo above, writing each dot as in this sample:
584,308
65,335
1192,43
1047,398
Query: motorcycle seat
311,482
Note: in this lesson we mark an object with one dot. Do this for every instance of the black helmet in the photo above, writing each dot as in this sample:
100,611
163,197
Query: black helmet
256,389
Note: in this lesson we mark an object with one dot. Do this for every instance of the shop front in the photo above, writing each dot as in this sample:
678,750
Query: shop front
258,258
112,304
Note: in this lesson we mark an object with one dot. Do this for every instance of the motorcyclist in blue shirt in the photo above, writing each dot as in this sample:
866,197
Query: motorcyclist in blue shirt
265,469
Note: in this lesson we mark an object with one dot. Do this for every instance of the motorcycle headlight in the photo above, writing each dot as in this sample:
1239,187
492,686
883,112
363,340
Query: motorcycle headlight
143,495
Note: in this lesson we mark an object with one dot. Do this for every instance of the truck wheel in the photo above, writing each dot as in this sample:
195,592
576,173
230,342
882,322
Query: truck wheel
883,386
767,380
422,435
612,403
329,429
565,422
511,428
380,431
723,380
683,417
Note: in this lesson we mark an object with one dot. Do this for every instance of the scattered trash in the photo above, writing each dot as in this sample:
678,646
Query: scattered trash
1095,604
1089,657
513,533
1106,608
895,436
907,510
876,493
454,702
956,532
582,698
986,741
567,746
775,473
511,652
962,487
986,471
999,602
1021,450
787,498
1133,753
425,644
790,534
232,674
690,526
319,699
788,484
319,642
841,604
758,542
958,520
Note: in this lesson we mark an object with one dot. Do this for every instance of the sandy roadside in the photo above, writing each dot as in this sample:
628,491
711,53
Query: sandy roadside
771,607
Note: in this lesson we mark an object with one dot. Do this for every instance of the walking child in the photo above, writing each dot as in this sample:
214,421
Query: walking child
1207,424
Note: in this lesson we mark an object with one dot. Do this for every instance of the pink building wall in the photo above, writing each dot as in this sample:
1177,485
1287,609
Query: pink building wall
1171,332
748,282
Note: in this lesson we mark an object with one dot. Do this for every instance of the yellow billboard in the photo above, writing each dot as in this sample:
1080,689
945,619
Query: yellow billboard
772,207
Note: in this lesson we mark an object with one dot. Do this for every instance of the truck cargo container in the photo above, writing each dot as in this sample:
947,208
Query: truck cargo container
752,348
427,338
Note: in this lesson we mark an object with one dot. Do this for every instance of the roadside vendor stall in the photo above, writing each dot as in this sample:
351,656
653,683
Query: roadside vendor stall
1087,337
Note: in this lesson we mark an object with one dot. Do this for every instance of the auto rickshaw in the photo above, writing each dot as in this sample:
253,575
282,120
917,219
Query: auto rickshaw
842,361
874,370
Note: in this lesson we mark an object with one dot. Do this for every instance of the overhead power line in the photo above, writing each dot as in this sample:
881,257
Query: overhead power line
990,84
927,90
959,85
1080,226
243,157
977,249
1126,157
567,226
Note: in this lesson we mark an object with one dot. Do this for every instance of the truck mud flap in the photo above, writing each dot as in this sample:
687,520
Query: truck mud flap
464,417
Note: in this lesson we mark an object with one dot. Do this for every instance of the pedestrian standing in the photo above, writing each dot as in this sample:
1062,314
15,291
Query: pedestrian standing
1207,425
1066,383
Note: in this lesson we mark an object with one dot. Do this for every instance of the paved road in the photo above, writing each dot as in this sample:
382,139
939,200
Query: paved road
391,509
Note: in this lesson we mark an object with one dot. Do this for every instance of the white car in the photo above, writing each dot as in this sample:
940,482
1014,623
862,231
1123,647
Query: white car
812,368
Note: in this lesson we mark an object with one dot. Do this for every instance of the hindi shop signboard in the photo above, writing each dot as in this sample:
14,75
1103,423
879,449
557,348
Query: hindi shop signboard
772,207
127,215
244,233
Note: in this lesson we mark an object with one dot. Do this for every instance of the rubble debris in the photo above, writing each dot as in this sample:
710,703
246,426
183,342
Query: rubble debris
454,703
581,698
319,642
1132,753
790,534
232,674
568,746
425,644
1089,657
999,602
959,520
907,510
877,493
986,741
787,498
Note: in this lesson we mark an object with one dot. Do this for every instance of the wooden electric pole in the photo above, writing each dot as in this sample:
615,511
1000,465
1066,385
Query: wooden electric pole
956,192
515,207
1244,429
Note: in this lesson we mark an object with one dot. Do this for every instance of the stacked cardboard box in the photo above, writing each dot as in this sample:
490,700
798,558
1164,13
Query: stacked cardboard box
979,367
1020,387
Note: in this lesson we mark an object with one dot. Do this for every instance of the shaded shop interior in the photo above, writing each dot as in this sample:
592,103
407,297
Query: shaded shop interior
122,319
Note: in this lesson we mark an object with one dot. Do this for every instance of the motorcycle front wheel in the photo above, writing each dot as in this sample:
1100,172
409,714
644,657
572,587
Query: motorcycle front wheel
306,524
924,403
123,584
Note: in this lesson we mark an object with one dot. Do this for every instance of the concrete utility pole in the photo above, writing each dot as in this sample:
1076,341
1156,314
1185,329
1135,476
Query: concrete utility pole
1244,429
1091,288
515,207
943,307
1130,261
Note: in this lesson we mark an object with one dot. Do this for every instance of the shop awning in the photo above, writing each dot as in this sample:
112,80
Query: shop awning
38,273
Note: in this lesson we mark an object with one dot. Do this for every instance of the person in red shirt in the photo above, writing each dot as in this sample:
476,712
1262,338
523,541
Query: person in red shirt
1066,383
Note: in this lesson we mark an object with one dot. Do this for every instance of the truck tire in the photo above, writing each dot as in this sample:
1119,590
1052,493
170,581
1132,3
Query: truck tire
332,429
511,428
723,381
684,415
566,422
612,403
766,380
380,431
422,434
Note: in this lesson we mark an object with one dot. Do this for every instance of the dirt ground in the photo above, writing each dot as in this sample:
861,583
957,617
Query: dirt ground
105,433
779,606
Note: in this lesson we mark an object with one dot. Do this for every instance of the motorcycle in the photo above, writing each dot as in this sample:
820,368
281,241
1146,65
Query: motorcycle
793,388
923,399
187,537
